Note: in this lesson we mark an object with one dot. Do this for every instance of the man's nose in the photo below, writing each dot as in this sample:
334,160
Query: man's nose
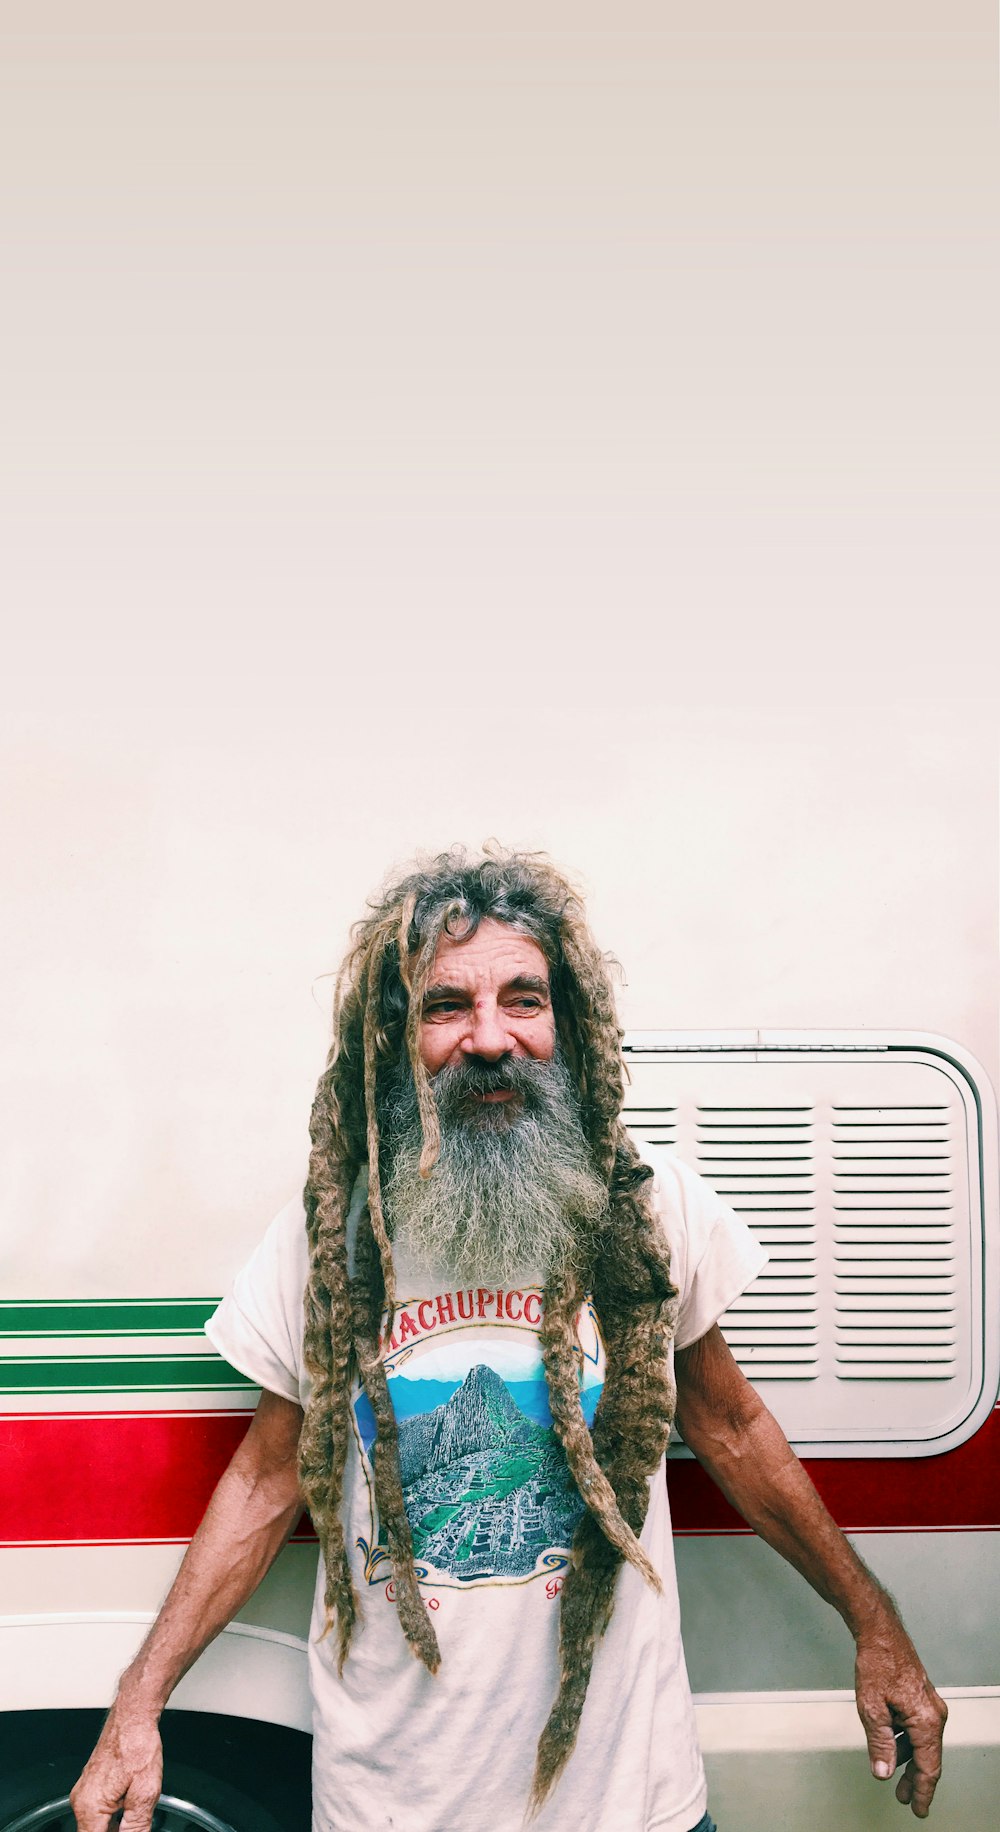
487,1035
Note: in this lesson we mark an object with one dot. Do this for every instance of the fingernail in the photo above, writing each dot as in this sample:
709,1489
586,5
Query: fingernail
882,1770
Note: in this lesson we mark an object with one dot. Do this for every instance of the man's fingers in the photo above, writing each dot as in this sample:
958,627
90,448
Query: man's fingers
918,1780
916,1791
923,1718
138,1814
124,1776
97,1807
92,1808
915,1787
881,1744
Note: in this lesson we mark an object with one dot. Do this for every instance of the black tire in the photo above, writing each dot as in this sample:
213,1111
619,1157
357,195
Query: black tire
250,1775
37,1800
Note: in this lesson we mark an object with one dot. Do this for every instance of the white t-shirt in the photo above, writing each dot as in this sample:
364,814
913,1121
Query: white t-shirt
493,1508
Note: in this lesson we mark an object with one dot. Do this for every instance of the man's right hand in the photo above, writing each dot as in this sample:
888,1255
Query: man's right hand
125,1770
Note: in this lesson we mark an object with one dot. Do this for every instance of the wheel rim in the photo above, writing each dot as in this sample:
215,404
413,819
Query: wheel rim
170,1815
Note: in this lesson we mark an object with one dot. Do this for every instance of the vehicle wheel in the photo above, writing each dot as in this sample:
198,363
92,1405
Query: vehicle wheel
191,1801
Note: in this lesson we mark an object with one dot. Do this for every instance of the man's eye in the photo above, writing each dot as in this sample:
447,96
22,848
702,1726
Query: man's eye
527,1004
441,1008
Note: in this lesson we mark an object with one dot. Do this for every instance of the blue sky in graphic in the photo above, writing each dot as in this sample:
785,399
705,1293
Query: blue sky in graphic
429,1378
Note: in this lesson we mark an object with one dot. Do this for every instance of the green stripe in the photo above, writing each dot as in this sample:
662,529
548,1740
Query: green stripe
118,1374
105,1317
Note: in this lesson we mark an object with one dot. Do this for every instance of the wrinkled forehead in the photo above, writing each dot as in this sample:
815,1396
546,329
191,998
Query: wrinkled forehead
493,955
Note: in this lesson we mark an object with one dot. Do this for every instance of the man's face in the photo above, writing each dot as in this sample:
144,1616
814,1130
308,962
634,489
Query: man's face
487,1000
514,1188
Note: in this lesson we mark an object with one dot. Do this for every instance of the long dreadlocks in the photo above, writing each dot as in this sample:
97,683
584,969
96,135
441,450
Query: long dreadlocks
626,1269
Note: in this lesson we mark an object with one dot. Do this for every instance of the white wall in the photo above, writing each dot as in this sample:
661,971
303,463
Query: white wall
178,900
574,434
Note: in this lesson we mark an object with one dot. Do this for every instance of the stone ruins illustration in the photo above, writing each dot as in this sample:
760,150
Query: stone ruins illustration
487,1490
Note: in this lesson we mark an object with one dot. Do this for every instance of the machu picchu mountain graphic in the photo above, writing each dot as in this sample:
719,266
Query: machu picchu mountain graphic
487,1489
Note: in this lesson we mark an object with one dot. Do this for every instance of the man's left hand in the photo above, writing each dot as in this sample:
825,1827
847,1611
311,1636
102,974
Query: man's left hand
894,1692
734,1436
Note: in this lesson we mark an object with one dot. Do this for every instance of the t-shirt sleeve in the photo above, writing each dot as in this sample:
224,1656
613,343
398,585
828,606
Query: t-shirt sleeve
258,1327
713,1255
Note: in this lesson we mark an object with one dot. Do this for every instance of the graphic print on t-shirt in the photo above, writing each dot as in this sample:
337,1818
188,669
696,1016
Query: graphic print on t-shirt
487,1489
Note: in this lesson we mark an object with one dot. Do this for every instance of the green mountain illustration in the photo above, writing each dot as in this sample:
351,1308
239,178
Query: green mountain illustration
480,1416
487,1490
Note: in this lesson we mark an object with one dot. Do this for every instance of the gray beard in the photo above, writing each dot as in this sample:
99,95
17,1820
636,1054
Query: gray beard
514,1190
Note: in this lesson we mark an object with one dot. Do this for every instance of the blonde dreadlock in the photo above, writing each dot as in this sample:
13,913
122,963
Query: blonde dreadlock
377,1013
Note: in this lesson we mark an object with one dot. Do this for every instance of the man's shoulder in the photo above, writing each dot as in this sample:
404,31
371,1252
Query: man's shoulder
675,1188
286,1239
258,1325
713,1254
285,1246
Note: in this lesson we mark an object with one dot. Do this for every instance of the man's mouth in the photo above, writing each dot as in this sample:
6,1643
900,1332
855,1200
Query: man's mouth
469,1093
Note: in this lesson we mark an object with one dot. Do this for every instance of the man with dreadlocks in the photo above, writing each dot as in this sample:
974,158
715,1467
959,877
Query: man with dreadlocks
468,1336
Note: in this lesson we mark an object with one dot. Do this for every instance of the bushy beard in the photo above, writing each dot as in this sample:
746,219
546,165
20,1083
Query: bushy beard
514,1190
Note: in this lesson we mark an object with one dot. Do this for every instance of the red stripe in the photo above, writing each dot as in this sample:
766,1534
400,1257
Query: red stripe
89,1478
960,1488
98,1478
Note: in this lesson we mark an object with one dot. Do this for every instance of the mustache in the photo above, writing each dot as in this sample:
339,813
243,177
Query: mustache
459,1082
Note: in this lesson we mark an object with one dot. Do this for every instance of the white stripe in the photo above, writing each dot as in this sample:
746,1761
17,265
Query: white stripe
784,1721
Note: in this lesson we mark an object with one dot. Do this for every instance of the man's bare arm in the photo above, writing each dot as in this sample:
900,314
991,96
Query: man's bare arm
252,1511
731,1432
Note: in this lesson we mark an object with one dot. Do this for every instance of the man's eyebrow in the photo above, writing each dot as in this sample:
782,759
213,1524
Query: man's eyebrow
441,991
528,982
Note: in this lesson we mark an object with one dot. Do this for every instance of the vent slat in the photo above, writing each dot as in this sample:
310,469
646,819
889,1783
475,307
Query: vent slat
760,1172
901,1283
895,1163
745,1153
884,1115
892,1232
928,1206
871,1256
905,1132
891,1195
749,1357
754,1116
799,1185
944,1333
786,1338
714,1135
773,1306
770,1205
783,1201
901,1354
896,1307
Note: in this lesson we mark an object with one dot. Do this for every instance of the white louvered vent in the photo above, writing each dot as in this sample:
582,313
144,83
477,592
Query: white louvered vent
896,1249
861,1171
761,1160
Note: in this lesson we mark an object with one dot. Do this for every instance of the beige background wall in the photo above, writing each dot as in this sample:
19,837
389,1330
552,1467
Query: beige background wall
576,431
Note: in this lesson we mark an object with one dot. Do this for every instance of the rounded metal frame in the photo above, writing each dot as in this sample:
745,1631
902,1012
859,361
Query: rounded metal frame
170,1815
